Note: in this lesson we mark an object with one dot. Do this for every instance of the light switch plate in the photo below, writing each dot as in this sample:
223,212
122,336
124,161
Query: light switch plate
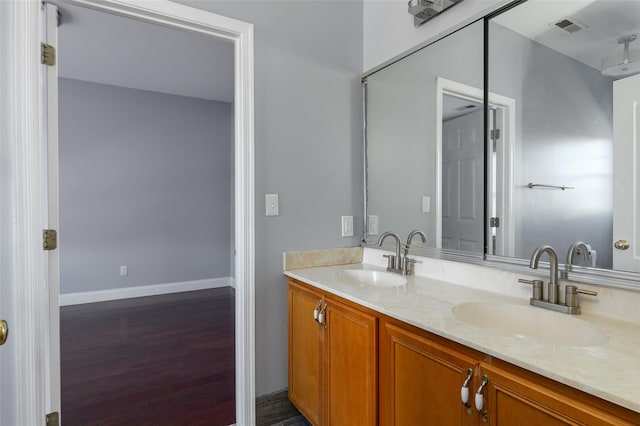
271,204
347,226
426,204
372,225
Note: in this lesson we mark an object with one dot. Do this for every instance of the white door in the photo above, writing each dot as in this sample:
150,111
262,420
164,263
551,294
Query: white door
8,352
25,373
626,178
8,223
462,183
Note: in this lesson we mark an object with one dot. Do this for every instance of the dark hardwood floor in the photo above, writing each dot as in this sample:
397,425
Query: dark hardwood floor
160,360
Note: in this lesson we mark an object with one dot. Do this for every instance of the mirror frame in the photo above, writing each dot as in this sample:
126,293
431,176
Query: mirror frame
603,277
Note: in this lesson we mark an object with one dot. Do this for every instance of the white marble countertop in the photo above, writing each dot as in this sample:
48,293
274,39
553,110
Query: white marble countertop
610,371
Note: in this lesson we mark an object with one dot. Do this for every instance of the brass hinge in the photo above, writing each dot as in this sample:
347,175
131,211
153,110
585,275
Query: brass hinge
49,239
495,134
47,54
364,80
494,222
53,419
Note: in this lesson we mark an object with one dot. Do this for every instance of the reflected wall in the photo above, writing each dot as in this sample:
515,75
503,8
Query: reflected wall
563,137
402,156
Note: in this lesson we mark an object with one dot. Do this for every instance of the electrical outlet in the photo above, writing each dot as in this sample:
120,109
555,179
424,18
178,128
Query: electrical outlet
372,225
124,270
347,226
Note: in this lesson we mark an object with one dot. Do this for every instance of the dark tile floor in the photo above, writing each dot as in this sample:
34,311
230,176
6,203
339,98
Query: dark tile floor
276,410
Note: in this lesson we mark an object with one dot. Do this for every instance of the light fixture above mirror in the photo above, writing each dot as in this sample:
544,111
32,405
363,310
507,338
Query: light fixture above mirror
423,10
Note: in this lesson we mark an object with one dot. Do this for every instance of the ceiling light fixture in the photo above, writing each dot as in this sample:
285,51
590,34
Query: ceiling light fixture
622,64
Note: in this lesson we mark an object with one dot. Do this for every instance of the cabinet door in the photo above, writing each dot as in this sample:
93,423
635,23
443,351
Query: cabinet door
420,380
305,353
513,398
350,366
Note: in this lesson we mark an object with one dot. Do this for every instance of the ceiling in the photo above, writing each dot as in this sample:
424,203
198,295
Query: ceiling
605,21
109,49
454,107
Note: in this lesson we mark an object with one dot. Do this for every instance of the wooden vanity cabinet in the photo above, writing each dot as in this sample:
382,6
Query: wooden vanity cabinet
333,365
305,352
514,396
421,377
336,378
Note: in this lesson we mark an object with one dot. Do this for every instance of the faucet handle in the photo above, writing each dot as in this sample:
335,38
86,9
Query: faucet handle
407,267
391,261
537,287
571,295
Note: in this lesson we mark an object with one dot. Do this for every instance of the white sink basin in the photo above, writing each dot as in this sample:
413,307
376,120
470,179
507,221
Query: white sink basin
364,277
529,323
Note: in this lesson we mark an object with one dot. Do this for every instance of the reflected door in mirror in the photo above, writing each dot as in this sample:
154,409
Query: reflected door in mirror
626,154
462,181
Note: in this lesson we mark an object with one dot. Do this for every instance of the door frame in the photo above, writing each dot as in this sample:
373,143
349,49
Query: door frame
29,187
505,162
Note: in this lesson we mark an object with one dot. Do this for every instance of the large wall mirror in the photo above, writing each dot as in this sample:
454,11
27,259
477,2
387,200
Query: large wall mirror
551,157
425,144
568,170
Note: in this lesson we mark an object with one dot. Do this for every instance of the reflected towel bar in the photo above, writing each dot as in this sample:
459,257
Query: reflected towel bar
563,187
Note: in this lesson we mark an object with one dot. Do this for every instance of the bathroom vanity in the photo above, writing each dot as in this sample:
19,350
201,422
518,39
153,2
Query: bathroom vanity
366,351
492,139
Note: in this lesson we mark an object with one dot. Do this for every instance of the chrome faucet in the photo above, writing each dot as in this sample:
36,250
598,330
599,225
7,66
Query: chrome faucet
553,270
395,262
578,245
407,262
571,305
412,234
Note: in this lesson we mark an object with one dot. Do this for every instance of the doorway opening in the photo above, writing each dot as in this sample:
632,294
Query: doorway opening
462,168
176,185
462,102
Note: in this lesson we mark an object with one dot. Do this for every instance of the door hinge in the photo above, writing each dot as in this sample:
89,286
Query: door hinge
494,222
53,419
49,239
47,54
495,134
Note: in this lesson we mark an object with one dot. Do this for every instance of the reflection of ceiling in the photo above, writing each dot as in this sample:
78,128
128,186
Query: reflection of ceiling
109,49
453,107
605,21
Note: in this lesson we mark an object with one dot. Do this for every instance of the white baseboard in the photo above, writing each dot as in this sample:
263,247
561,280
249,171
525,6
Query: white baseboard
141,291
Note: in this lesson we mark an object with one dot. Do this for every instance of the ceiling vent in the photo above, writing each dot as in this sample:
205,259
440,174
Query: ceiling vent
569,25
467,107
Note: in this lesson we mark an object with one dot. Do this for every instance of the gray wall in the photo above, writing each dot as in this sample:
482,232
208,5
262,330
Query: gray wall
563,137
308,146
145,182
401,129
